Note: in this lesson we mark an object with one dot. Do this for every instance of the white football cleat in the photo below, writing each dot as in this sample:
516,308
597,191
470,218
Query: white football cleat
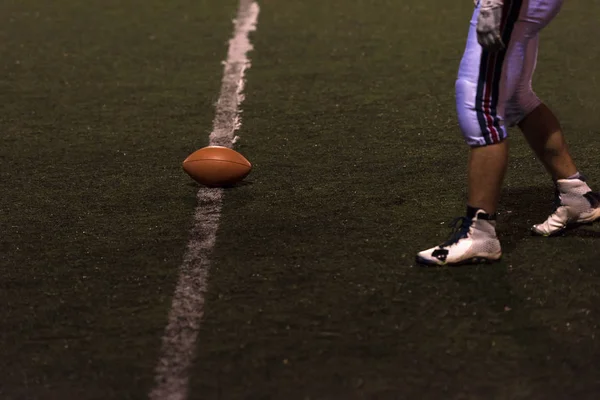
473,242
577,205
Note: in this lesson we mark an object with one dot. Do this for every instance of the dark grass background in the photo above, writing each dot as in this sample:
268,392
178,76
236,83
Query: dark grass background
358,164
100,102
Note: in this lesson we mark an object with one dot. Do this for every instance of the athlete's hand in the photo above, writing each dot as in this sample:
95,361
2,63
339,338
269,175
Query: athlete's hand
488,25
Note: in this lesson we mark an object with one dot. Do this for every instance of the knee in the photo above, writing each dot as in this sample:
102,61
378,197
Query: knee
523,102
465,110
477,125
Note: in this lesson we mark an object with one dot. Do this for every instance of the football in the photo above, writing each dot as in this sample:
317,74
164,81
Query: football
216,166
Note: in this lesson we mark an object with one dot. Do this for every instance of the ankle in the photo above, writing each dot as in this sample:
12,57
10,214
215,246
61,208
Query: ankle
480,213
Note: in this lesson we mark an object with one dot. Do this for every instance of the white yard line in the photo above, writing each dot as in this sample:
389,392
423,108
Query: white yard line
185,318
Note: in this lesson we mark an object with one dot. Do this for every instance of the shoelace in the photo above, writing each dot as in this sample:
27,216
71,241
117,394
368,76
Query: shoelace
460,229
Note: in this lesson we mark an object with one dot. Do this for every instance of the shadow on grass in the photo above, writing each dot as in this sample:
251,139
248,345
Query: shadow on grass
586,231
520,208
235,185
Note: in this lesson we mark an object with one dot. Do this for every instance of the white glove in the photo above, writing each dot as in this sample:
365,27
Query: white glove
488,25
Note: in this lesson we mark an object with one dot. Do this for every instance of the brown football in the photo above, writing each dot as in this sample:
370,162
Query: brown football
216,166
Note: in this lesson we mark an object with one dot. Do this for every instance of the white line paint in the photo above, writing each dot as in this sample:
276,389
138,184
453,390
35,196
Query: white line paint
187,309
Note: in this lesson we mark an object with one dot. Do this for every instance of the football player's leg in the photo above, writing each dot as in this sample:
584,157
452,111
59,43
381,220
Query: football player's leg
543,132
477,91
576,203
477,97
537,122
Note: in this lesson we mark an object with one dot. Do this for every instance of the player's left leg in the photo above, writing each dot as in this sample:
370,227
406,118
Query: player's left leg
485,174
478,96
485,88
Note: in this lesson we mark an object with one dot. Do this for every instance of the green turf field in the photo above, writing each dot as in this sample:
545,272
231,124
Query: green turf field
349,120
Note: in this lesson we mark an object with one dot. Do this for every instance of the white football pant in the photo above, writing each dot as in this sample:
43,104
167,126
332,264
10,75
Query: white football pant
493,90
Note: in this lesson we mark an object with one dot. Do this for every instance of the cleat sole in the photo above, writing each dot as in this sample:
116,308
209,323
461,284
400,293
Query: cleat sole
469,261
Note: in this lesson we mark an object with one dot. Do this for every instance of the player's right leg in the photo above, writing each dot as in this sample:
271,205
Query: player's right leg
576,203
